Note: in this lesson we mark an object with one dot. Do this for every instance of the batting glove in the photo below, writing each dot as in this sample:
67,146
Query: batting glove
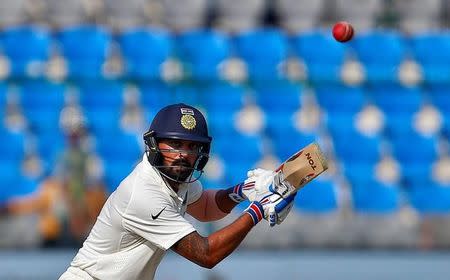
273,208
255,187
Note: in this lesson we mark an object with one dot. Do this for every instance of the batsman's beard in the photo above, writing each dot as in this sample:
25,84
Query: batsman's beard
180,170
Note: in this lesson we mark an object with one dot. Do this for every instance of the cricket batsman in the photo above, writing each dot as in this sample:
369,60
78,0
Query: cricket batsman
144,216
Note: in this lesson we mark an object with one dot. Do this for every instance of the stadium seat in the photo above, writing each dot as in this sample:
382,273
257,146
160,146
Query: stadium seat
188,93
3,99
415,148
440,97
223,97
380,69
431,199
10,170
119,145
27,48
50,153
102,121
13,147
340,99
84,62
299,16
396,99
154,95
115,170
376,198
144,50
41,102
416,154
318,196
323,56
244,157
202,52
101,94
352,146
432,51
278,96
286,138
359,173
263,63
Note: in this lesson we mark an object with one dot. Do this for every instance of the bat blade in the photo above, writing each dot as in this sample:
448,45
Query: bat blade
300,169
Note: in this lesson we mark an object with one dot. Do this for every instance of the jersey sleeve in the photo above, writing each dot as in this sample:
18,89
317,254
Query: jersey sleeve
195,192
155,217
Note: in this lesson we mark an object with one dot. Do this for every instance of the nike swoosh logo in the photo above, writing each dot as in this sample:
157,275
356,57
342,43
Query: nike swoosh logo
154,217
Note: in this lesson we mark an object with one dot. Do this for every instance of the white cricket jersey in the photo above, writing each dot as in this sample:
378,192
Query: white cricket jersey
138,223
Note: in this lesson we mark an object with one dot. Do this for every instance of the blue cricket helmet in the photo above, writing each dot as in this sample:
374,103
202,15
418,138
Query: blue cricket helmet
178,121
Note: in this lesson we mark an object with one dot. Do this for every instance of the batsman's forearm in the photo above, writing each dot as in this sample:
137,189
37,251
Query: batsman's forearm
224,201
224,241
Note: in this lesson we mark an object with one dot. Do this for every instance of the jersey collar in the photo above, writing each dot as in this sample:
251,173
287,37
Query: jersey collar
152,173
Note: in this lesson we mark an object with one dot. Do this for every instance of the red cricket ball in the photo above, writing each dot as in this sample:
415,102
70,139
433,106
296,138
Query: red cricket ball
343,31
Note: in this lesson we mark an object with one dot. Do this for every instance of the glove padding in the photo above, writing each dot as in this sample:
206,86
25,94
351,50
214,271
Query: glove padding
273,208
258,184
255,187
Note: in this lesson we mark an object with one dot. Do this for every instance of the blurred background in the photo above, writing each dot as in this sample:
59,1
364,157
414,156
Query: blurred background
80,81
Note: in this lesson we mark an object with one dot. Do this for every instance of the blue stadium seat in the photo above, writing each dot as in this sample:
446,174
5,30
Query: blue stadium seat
27,48
397,99
380,68
3,97
339,125
359,173
222,124
286,139
102,121
399,125
42,102
101,94
415,148
10,170
244,155
13,145
201,52
432,51
278,96
340,99
440,97
119,146
223,97
262,50
353,146
115,171
19,186
376,198
431,199
236,172
50,153
85,49
154,95
318,196
415,173
188,93
144,51
322,55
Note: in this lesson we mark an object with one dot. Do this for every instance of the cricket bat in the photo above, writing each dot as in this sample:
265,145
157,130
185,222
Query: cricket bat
299,170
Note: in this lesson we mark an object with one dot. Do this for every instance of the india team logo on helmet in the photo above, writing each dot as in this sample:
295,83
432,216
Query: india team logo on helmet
187,119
